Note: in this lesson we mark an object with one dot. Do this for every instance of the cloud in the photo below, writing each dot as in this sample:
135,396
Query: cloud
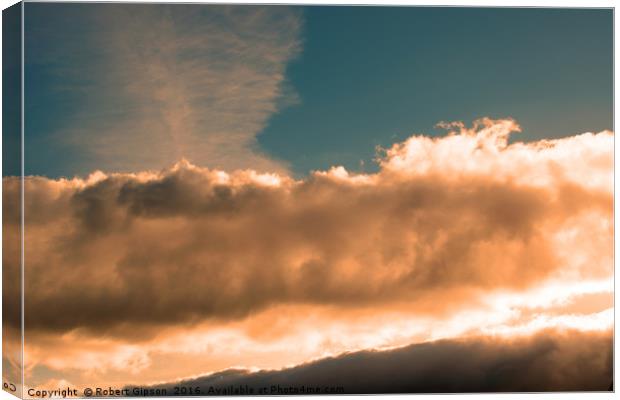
548,361
200,86
189,243
137,263
482,150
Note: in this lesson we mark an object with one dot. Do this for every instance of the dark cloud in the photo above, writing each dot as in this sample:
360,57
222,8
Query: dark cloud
549,361
184,247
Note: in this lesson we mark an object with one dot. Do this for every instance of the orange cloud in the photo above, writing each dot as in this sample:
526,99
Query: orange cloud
446,225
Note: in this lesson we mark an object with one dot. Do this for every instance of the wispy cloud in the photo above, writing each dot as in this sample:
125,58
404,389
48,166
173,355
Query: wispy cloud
159,83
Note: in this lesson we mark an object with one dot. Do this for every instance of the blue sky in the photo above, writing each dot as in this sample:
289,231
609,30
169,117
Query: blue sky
372,76
11,89
121,88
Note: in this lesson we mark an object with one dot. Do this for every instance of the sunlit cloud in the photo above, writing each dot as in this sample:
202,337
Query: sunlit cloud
207,269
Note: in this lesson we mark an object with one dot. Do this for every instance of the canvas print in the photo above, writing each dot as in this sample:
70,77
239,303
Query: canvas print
211,200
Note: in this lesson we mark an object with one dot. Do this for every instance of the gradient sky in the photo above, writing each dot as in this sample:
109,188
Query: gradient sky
359,77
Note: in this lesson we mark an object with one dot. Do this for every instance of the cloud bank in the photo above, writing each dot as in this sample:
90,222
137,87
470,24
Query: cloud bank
189,243
139,262
548,361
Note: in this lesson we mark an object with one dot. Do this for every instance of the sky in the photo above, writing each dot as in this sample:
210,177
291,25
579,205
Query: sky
340,81
209,187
